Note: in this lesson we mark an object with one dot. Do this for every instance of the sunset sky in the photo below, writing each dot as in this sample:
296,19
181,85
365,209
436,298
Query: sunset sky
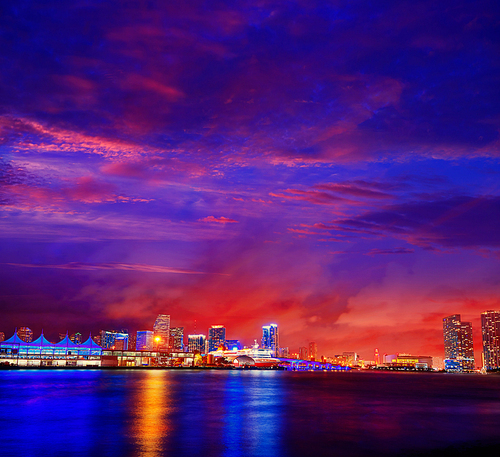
329,166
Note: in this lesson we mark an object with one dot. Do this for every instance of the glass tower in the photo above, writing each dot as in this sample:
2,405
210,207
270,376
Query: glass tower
196,343
161,330
177,338
270,338
458,345
216,337
144,340
490,327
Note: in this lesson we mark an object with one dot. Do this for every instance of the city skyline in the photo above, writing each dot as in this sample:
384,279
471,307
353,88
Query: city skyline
457,355
329,166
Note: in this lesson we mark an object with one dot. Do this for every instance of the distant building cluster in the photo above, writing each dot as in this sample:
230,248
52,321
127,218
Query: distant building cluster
156,346
459,347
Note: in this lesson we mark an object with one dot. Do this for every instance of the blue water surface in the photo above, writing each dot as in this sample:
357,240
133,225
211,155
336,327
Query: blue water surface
245,413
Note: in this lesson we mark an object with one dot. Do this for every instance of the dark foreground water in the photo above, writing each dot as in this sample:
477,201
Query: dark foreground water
246,413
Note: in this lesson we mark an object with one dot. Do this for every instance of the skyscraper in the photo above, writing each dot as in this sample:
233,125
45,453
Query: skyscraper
313,351
111,339
270,338
490,327
144,340
458,345
303,353
216,337
161,329
197,343
26,334
177,338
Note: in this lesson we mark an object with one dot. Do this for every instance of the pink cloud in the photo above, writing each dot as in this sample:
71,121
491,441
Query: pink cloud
219,220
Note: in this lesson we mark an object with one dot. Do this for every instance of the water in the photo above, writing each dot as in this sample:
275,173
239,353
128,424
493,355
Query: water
246,413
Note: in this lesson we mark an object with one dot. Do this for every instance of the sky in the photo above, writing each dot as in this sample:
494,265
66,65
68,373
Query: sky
329,166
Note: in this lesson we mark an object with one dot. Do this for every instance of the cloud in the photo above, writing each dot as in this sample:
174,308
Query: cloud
112,266
219,220
460,221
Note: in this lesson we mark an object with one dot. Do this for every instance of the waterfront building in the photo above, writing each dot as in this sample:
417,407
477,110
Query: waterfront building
197,343
408,361
132,341
176,338
216,337
313,351
113,339
233,345
284,352
161,329
458,345
303,351
26,334
351,358
270,338
42,352
2,336
145,340
490,327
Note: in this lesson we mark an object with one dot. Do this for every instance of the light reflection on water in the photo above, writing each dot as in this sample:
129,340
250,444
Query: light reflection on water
151,410
154,413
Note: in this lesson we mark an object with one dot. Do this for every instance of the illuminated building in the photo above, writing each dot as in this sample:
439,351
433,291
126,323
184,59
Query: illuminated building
177,338
196,343
270,338
132,341
2,336
350,358
76,338
458,345
26,334
145,340
490,327
303,353
313,351
42,352
377,357
216,337
161,329
112,339
233,345
284,352
408,361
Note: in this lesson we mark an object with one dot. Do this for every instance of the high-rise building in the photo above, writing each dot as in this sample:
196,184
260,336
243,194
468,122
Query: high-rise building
177,338
490,326
132,341
197,343
216,337
2,336
145,340
303,353
26,334
313,351
270,338
161,329
458,345
284,352
111,339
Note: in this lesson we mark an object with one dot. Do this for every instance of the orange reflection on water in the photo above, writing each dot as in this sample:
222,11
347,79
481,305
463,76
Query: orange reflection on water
152,407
